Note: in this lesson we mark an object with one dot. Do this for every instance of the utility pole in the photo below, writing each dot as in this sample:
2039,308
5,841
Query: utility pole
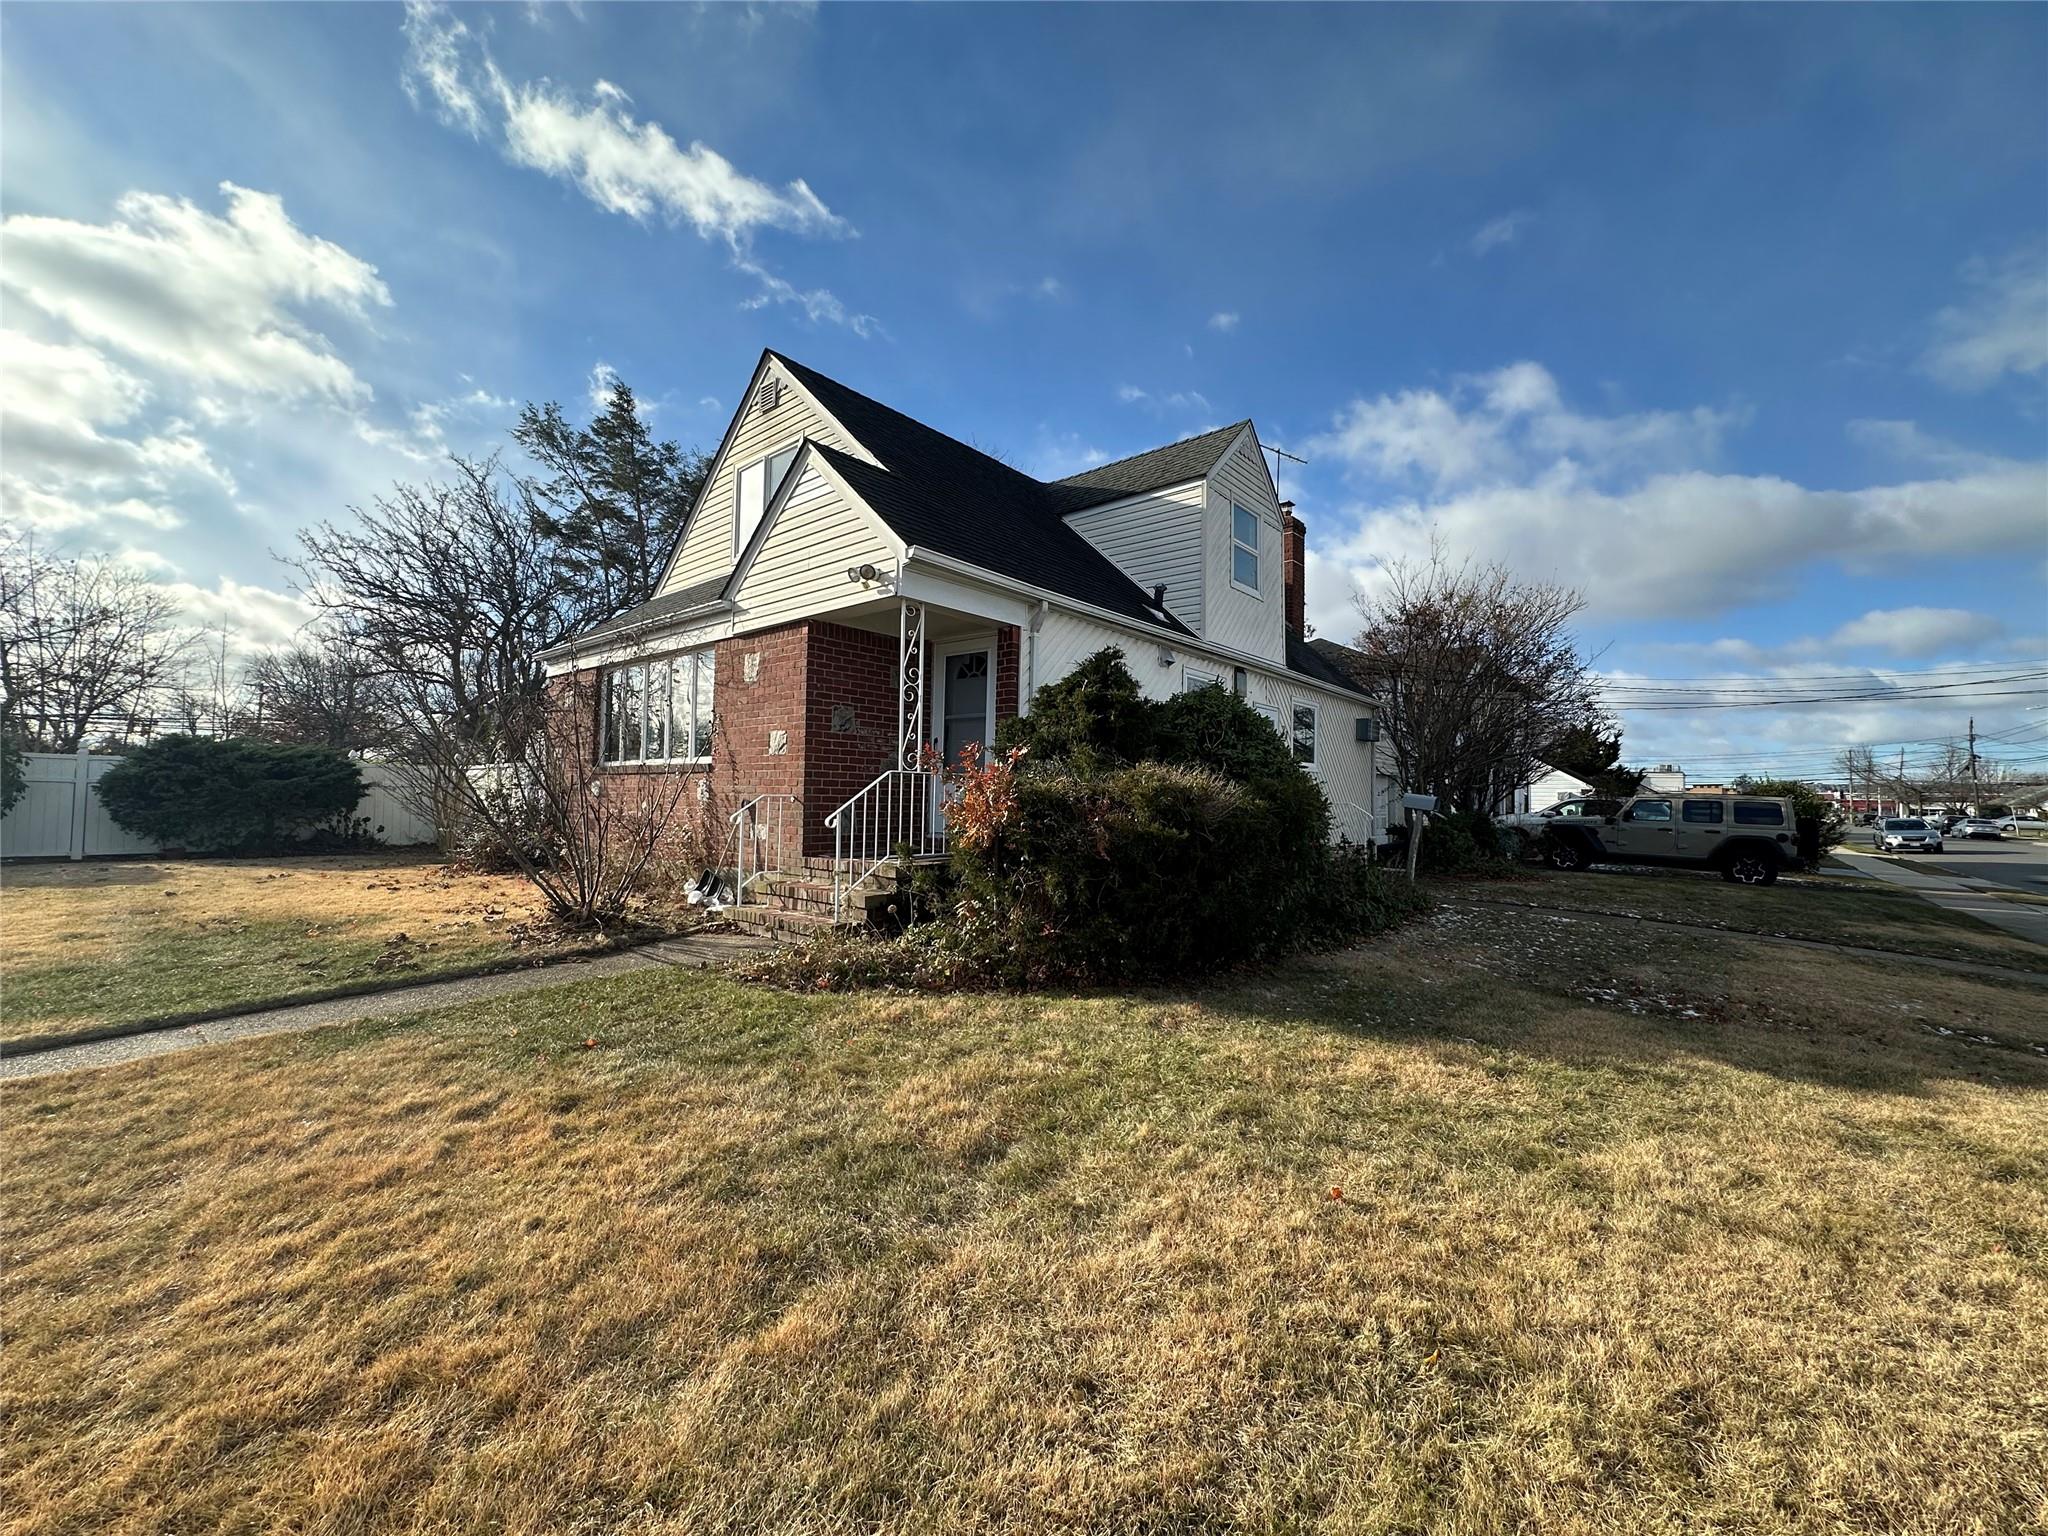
1902,781
1975,797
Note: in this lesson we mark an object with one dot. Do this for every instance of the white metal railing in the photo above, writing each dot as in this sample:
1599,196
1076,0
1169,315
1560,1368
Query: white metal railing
1354,822
904,808
758,826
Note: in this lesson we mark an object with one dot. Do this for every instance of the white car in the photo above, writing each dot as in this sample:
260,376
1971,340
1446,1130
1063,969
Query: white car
1906,834
1517,833
1985,827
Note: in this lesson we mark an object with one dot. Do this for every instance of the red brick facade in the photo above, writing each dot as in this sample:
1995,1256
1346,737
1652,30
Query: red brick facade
809,710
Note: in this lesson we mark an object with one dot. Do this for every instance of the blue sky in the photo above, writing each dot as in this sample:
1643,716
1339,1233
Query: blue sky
1736,318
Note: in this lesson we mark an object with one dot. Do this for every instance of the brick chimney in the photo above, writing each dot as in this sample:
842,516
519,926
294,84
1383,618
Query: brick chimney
1294,567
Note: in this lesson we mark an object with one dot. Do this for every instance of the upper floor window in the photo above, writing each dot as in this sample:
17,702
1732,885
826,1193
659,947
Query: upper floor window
659,711
758,483
1244,549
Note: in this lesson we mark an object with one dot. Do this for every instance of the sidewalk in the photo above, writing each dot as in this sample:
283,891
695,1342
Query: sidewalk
692,951
1966,896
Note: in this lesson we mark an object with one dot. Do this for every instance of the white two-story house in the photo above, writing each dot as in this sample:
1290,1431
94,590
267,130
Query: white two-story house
853,585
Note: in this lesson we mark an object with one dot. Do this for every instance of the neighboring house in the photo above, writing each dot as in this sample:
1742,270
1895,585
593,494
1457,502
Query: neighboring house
852,584
1664,779
1547,786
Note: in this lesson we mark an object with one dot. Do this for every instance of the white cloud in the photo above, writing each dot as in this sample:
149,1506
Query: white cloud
1501,468
1908,444
53,511
1051,288
1505,230
1180,400
1508,426
1224,320
257,618
1057,455
213,300
2001,327
1917,632
621,164
1639,553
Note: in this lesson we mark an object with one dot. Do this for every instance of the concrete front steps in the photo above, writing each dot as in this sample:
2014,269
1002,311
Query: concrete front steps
788,907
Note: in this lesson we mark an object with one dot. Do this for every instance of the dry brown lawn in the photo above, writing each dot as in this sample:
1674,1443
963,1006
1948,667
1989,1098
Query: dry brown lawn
100,943
1638,1233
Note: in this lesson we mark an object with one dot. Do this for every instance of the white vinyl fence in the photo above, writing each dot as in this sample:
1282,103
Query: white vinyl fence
60,816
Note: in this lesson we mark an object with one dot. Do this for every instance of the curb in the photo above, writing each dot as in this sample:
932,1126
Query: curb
35,1045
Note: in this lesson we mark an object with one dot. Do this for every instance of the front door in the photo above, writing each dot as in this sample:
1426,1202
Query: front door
967,702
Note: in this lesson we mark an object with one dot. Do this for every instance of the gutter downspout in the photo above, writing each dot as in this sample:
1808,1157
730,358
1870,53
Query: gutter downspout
1031,657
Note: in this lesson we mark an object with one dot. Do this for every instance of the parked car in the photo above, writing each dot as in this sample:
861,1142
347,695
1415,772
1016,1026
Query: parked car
1983,827
1749,839
1906,834
1517,834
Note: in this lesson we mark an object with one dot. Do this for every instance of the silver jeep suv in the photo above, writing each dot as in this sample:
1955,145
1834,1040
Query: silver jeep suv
1748,839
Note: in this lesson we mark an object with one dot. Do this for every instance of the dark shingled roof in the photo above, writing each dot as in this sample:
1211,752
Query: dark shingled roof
703,594
1327,662
944,496
1175,464
939,494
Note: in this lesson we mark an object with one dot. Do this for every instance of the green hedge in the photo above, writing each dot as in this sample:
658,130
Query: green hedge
233,796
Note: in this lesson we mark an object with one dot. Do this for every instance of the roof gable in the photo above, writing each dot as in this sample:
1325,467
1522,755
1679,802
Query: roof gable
1175,464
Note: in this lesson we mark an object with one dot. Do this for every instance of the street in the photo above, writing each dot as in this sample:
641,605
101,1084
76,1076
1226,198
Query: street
2018,862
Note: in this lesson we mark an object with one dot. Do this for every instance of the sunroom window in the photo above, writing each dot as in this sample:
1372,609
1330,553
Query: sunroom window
660,711
1244,548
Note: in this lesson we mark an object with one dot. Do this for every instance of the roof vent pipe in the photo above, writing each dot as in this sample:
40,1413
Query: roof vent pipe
1159,595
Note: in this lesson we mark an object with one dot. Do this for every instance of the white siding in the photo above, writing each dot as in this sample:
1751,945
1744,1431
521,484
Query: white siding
1233,617
707,549
1153,539
1066,640
800,568
1344,765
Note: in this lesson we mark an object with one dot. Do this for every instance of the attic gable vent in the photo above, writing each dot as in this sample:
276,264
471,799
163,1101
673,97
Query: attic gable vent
769,398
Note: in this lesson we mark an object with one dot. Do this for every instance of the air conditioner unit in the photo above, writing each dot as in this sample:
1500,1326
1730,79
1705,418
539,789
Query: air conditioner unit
1366,728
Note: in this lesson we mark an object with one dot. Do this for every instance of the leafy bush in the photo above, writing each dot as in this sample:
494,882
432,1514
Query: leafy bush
1821,822
13,771
1095,717
1209,850
1462,843
233,796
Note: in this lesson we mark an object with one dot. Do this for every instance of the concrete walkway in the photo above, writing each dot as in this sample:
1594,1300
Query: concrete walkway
1970,897
692,952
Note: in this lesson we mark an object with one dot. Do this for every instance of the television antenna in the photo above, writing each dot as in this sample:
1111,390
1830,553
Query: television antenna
1278,455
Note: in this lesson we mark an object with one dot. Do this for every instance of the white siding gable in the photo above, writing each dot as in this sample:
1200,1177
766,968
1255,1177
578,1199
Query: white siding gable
798,566
707,548
1232,616
1155,539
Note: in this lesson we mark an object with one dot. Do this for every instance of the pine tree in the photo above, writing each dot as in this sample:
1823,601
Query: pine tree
612,496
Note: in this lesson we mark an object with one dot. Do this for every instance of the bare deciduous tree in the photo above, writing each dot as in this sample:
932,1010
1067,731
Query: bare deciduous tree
1477,673
453,589
588,837
326,691
87,645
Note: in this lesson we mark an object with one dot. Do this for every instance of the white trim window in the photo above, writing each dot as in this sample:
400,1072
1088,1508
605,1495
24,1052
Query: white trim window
1194,677
1244,550
757,484
1304,743
660,711
1270,713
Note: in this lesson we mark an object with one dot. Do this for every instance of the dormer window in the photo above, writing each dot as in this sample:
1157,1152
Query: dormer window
1244,550
758,483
